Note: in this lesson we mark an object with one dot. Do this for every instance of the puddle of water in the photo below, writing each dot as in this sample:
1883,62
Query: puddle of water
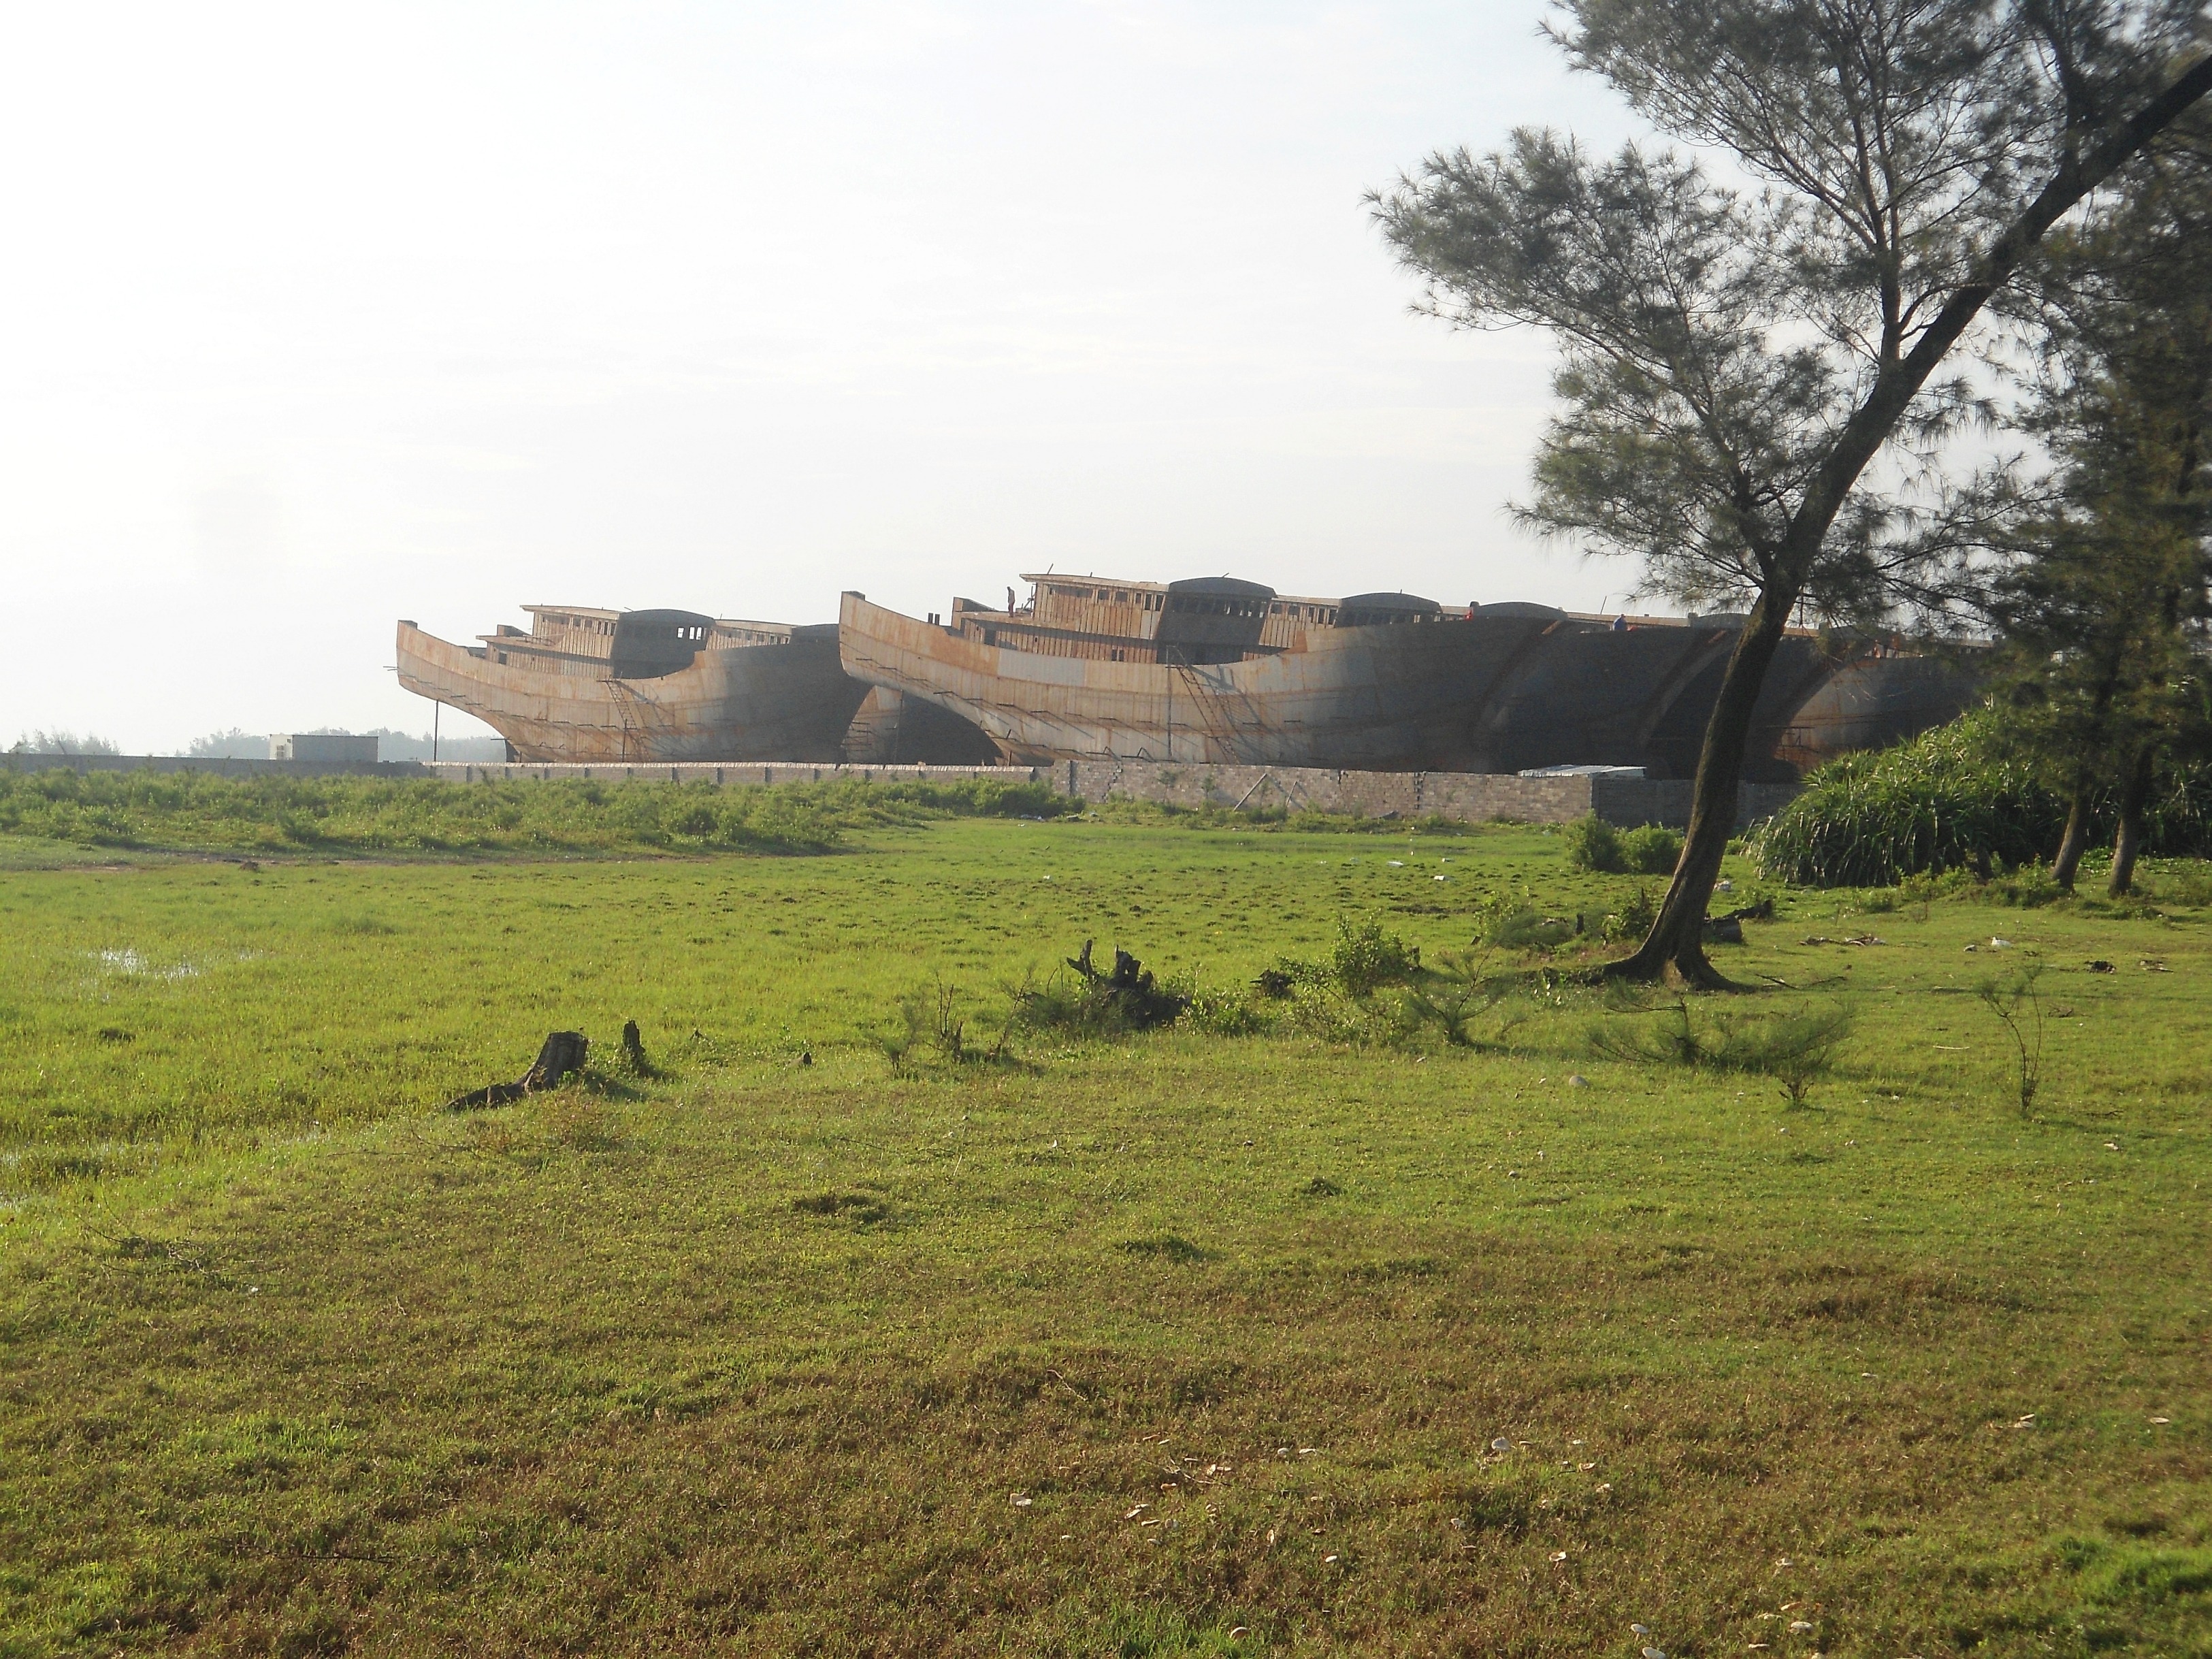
128,961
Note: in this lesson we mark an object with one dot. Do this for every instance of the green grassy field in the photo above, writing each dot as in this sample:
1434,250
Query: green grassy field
1331,1338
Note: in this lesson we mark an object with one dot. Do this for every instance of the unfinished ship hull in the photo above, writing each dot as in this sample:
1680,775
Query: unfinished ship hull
1879,698
784,699
1501,689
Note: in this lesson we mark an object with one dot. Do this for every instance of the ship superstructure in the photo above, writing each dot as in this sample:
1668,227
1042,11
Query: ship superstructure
1209,619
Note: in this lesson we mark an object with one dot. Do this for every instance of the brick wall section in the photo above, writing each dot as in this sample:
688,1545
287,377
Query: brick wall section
1465,797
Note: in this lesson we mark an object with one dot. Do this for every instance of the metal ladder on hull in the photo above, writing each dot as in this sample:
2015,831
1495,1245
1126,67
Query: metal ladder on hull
1216,702
637,723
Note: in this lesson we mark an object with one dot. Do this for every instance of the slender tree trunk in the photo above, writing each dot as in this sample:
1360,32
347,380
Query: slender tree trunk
1677,939
2127,845
2075,840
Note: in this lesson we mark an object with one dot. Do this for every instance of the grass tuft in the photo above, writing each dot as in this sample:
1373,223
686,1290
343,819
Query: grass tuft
1168,1246
862,1207
1795,1047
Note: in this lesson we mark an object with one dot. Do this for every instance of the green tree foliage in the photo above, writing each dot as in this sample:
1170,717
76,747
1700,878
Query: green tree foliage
1731,361
63,743
236,744
2104,602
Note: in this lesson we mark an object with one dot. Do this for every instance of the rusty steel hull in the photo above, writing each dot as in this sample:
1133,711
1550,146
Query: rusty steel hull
1328,706
1875,701
780,702
1474,694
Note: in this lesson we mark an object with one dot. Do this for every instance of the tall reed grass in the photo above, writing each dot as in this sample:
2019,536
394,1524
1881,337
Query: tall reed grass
1956,798
1946,800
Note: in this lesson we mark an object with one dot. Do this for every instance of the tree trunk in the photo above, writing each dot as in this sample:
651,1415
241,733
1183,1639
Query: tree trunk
2075,841
1677,939
2127,845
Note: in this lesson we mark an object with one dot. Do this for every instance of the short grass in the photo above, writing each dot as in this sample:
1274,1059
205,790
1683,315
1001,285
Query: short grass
1328,1339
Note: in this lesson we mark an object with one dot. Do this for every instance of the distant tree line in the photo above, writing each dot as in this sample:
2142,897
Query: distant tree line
392,745
62,743
238,744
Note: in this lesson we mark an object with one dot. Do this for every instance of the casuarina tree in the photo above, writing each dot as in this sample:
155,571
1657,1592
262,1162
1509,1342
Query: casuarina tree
2103,592
1756,307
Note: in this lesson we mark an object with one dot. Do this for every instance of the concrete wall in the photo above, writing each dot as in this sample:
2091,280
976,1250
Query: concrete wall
1466,796
339,746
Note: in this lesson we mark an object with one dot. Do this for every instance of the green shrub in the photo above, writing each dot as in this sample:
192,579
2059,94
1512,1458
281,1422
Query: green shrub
1527,928
1329,1015
931,1022
1334,999
1449,998
1594,844
1654,850
1597,845
1224,1014
1632,921
1366,956
1506,920
2019,1009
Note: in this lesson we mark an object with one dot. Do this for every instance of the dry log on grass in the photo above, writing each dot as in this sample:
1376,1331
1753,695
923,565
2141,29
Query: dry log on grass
1729,929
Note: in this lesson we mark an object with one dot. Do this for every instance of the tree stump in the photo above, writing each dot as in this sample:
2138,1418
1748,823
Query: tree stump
562,1056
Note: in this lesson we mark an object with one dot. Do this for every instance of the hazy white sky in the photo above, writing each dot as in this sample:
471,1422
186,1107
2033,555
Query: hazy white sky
314,317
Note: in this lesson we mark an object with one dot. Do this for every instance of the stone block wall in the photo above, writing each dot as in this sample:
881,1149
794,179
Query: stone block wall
1464,797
